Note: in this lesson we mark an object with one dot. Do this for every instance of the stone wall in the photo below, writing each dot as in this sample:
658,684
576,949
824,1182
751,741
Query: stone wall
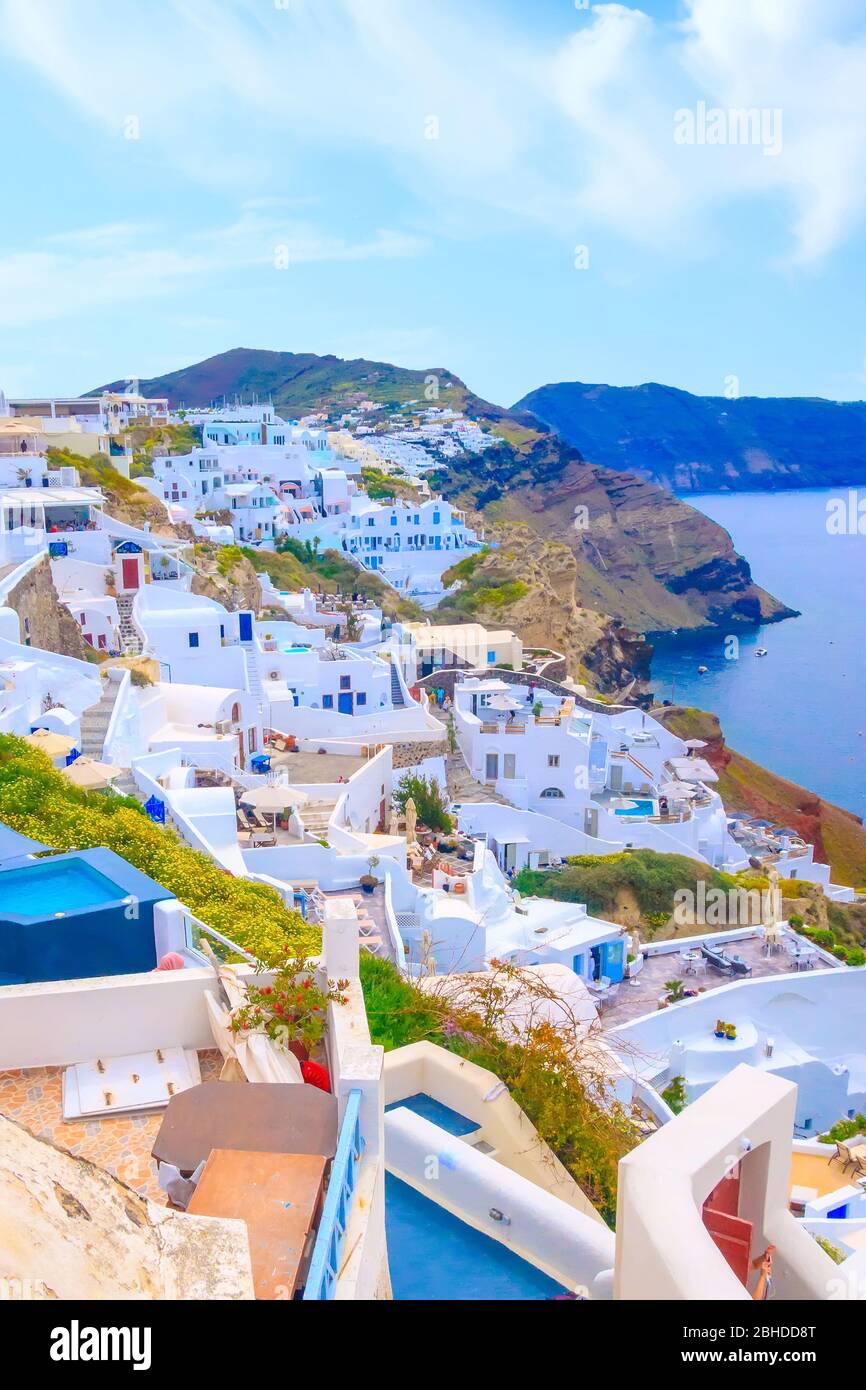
45,621
411,754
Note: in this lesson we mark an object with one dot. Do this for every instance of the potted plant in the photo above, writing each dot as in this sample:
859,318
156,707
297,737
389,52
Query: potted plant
368,881
675,989
292,1009
719,1030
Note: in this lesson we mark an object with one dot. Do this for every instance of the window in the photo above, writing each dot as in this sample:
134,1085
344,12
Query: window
393,521
101,641
327,702
345,682
552,792
361,697
435,518
491,658
193,639
251,740
553,760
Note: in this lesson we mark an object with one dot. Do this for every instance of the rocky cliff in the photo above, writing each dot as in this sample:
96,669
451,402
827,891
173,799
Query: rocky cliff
45,621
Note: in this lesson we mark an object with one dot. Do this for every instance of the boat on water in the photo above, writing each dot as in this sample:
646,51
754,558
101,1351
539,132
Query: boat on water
702,670
762,651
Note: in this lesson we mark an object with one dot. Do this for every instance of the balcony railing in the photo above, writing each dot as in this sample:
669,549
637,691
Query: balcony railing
325,1263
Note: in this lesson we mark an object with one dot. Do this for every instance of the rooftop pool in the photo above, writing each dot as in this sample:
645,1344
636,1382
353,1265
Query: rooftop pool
640,806
45,888
76,916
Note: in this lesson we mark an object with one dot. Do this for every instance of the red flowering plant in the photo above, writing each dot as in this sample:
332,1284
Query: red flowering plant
292,1009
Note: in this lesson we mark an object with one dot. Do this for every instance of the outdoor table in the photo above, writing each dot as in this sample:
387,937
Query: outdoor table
261,762
257,1116
279,1196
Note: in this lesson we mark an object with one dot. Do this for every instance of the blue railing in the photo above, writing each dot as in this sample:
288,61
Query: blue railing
325,1262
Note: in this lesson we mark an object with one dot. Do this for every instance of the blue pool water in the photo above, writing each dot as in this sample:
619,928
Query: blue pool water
40,890
433,1256
438,1114
640,808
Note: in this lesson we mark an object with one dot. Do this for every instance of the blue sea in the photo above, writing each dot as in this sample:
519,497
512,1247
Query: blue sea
801,710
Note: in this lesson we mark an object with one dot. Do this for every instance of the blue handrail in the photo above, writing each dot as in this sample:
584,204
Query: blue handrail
325,1262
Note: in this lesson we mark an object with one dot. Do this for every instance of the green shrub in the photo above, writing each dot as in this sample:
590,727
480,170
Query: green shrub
597,879
844,1129
428,798
675,1094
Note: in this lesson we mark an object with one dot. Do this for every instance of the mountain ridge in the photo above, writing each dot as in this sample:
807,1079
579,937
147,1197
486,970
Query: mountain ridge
642,557
688,443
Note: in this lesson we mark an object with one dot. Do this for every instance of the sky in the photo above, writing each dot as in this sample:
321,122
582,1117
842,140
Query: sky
520,191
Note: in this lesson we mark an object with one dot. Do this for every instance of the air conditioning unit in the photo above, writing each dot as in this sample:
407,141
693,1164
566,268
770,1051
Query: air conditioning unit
223,726
273,675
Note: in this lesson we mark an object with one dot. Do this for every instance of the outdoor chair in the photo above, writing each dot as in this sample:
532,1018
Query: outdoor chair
841,1154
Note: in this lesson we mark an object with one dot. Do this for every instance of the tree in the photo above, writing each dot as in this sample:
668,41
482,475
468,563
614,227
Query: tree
428,798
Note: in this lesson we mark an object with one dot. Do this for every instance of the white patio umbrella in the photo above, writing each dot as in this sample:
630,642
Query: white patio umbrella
52,744
695,743
504,702
676,789
274,798
90,775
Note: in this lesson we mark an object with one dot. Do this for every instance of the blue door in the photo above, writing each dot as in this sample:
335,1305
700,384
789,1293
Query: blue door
344,702
245,626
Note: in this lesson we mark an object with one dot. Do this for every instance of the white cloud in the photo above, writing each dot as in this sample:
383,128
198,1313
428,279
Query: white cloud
77,271
575,134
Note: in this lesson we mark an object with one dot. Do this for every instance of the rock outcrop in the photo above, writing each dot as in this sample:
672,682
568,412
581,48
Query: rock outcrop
45,621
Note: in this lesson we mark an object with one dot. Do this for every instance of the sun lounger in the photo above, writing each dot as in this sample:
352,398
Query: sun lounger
373,944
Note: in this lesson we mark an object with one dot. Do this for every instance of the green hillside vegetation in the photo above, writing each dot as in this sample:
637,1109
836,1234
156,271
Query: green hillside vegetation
379,486
295,565
488,584
124,499
148,441
599,881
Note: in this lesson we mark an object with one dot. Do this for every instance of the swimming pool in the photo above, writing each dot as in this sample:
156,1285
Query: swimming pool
434,1256
76,916
639,807
43,889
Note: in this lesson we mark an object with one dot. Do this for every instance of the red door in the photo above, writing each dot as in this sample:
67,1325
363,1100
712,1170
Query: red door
731,1234
129,570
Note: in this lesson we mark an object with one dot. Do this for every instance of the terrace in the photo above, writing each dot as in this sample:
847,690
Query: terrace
145,1094
121,1144
641,995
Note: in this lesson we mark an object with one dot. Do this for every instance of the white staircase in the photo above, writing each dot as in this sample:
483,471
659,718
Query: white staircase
96,719
396,689
254,680
128,631
315,816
